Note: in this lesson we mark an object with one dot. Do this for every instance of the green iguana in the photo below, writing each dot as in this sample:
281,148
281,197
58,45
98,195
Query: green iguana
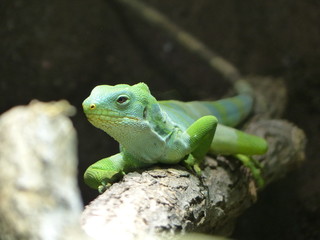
151,131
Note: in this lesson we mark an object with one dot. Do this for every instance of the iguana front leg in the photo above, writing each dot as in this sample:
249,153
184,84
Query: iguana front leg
106,171
201,133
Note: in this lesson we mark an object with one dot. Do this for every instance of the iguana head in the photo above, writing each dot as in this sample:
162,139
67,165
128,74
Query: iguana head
114,109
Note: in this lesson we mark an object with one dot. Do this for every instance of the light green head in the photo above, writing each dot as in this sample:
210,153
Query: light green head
118,106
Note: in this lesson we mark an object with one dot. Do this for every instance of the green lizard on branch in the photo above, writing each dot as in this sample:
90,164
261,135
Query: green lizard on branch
151,131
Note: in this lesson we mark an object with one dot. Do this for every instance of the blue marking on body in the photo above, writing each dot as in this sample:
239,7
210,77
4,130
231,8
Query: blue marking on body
230,111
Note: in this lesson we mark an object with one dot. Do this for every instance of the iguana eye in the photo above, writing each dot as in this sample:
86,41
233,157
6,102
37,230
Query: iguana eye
122,99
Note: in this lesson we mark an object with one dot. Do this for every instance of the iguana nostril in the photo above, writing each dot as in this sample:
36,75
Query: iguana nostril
92,106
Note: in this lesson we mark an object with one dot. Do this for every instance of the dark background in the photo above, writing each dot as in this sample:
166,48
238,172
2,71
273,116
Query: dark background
51,50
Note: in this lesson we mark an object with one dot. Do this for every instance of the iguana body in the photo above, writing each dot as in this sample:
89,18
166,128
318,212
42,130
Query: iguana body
151,131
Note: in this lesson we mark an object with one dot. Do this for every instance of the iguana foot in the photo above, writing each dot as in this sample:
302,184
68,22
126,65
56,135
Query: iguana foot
254,167
192,164
103,187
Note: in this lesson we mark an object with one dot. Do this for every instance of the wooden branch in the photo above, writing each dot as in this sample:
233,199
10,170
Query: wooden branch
170,199
185,39
39,194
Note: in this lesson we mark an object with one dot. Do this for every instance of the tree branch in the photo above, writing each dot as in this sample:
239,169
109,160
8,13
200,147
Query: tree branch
170,199
182,37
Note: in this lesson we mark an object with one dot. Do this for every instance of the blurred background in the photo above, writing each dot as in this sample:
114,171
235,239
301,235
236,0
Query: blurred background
51,50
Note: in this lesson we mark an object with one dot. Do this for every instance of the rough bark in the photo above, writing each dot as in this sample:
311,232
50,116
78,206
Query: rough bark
39,194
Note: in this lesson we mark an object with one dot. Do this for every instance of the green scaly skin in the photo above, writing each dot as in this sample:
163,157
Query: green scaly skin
151,131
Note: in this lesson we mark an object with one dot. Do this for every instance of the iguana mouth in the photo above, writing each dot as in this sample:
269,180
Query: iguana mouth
107,116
